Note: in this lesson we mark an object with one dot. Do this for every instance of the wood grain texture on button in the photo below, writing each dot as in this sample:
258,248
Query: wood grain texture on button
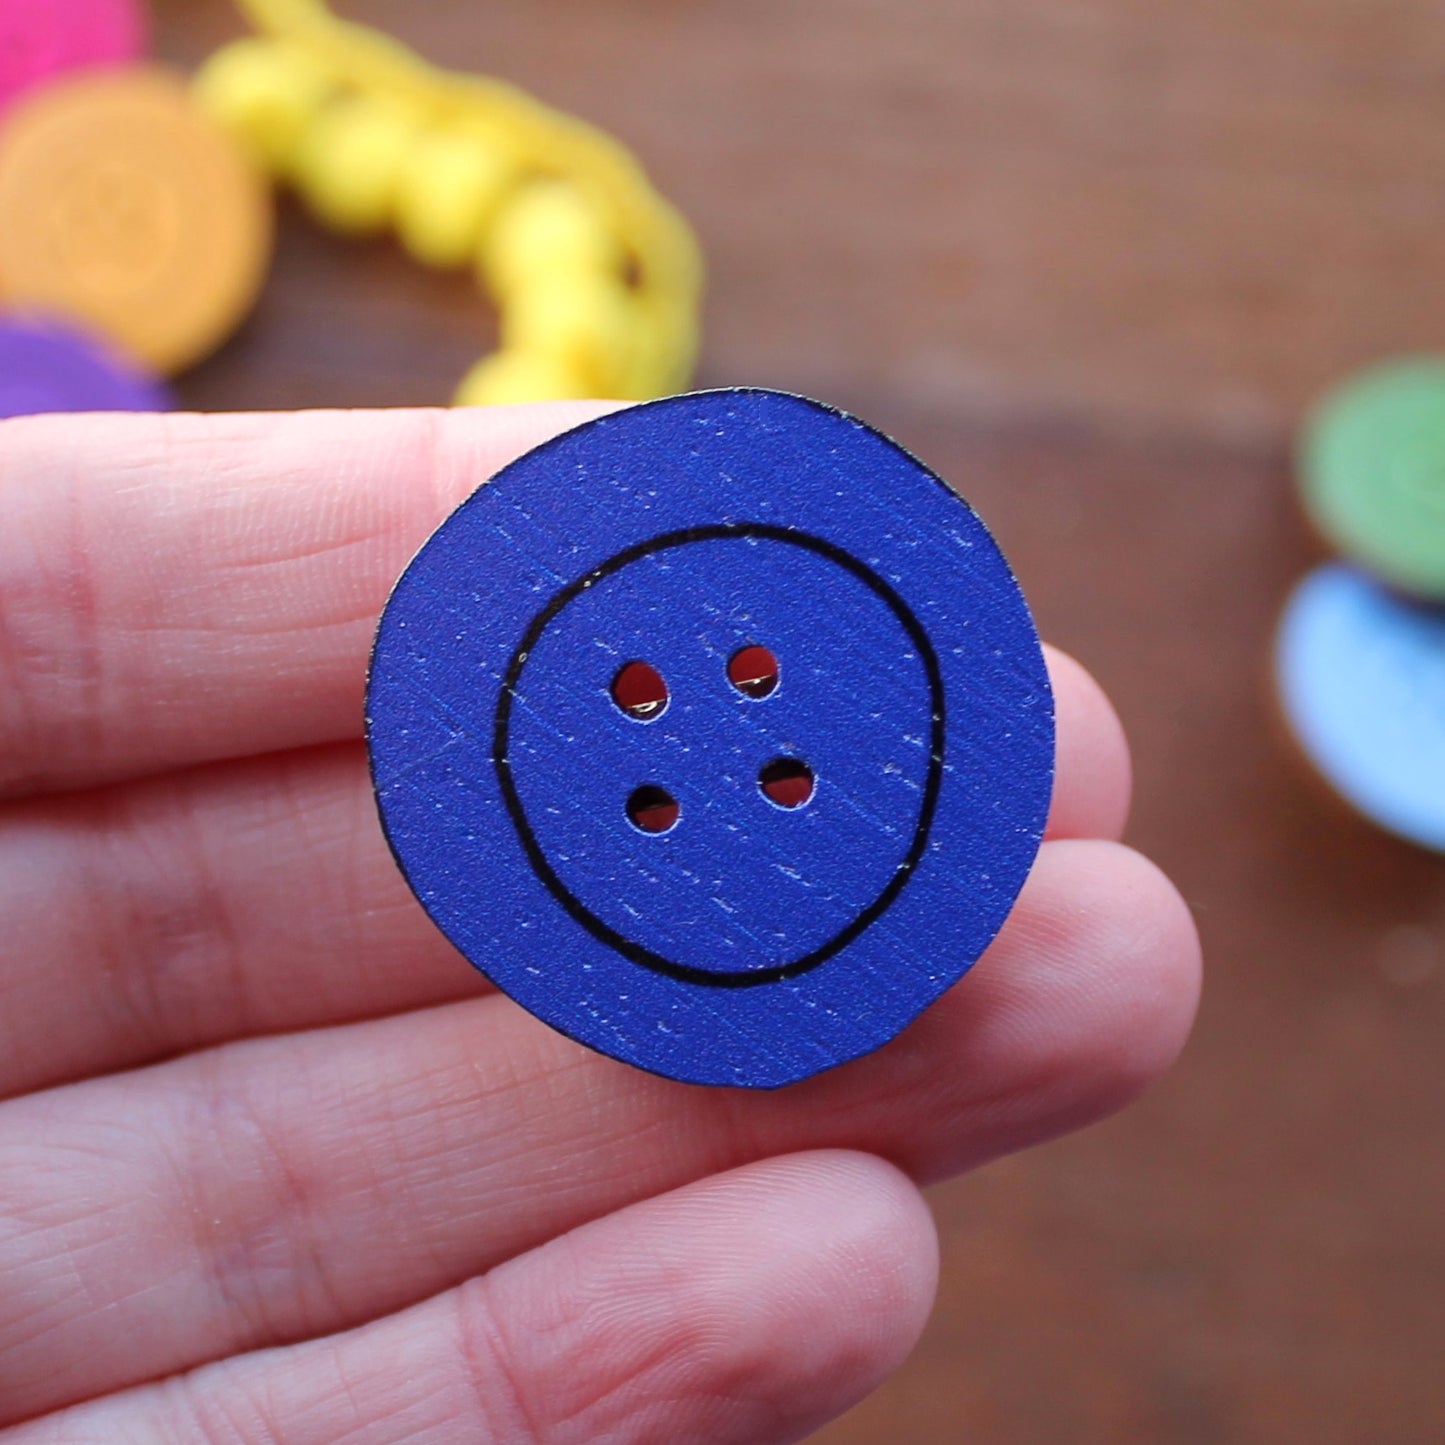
717,733
127,211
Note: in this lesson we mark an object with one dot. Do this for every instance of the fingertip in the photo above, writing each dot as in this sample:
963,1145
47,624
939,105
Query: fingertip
752,1306
867,1226
1083,1001
842,1251
1103,962
1093,770
1148,981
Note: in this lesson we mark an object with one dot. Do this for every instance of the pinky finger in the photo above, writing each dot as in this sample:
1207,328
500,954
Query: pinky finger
751,1307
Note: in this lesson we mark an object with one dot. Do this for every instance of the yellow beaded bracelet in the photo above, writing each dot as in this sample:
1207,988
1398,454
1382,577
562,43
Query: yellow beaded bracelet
596,277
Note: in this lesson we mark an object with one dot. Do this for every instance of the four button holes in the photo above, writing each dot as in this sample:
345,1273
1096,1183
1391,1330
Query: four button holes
640,691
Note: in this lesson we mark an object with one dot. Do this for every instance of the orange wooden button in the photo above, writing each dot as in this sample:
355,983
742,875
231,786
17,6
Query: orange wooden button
122,207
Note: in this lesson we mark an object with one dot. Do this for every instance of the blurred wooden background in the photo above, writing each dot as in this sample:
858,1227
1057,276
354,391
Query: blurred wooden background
1088,258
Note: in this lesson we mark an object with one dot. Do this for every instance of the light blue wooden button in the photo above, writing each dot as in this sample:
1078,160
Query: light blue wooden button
1361,676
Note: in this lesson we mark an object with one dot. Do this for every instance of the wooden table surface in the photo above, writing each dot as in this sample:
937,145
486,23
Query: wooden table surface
1088,258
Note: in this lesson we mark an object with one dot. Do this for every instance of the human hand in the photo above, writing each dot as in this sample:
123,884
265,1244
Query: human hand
276,1165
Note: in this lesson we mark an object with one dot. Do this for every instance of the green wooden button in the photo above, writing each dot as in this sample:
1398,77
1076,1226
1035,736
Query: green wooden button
1372,471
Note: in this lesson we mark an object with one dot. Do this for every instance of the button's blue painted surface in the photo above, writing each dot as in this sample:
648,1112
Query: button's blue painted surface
749,944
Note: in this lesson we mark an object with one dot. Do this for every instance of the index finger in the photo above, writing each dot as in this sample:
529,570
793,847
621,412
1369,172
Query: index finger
180,589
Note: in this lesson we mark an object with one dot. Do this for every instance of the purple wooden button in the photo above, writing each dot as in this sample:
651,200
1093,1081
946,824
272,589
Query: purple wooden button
47,367
43,38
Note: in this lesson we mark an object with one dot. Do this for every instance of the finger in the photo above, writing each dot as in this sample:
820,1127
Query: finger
175,589
253,896
179,589
258,896
751,1307
236,1198
1092,772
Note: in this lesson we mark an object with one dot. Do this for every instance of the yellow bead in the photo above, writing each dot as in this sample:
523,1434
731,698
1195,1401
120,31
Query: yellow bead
350,162
650,367
265,93
511,376
448,194
548,228
583,320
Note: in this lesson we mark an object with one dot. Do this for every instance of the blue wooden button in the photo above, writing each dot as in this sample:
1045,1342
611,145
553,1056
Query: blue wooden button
715,732
1361,676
